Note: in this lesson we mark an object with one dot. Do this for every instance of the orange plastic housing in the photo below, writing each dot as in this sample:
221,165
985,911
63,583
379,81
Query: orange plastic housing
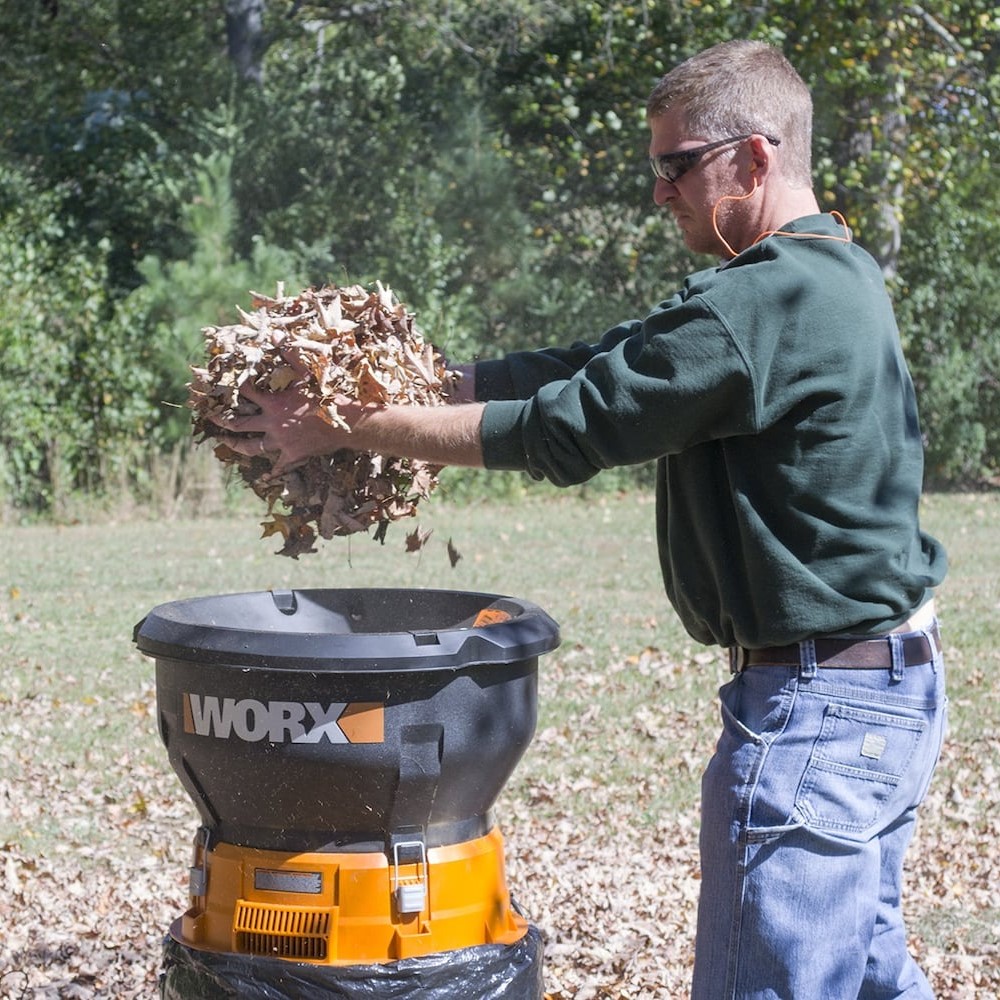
339,909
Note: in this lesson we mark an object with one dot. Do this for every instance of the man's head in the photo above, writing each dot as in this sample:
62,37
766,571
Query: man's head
731,131
742,87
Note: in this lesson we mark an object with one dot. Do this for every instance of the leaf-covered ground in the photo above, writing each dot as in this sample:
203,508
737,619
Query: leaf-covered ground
615,899
599,818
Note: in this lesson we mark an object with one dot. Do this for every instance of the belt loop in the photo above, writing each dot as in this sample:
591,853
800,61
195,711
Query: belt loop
898,656
933,635
807,659
737,659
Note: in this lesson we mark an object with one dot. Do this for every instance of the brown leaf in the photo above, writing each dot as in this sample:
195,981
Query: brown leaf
417,539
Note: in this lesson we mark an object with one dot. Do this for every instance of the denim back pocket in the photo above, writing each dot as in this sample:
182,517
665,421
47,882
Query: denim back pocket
858,761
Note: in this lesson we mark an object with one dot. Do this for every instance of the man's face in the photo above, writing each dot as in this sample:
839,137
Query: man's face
692,197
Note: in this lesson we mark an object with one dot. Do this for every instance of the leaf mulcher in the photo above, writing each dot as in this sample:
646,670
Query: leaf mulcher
345,750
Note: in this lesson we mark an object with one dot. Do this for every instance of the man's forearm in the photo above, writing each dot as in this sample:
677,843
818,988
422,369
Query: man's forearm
441,435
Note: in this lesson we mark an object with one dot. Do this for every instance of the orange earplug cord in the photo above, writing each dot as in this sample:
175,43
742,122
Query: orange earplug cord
846,238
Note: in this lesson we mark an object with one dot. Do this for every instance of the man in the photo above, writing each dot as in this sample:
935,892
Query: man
772,391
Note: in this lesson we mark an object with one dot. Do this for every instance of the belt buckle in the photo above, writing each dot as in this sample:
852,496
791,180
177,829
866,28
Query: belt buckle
737,659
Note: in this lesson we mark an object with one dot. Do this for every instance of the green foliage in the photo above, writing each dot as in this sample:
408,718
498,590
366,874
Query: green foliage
97,98
180,297
898,89
71,394
484,158
573,108
948,301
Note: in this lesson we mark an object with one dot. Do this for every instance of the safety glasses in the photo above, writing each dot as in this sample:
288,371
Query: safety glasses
670,167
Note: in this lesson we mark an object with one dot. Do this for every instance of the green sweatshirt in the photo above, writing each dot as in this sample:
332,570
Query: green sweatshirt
773,393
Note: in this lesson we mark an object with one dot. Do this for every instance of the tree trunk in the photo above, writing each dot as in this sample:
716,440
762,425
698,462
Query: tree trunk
874,140
245,38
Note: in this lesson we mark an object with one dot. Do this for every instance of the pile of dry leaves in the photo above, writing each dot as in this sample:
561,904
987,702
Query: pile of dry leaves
335,342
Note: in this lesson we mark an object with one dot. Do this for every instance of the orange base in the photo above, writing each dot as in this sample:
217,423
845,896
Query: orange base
338,909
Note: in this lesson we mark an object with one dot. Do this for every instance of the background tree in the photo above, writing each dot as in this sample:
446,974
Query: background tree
486,158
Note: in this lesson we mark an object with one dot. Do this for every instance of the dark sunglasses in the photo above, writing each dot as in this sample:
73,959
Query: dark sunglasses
670,167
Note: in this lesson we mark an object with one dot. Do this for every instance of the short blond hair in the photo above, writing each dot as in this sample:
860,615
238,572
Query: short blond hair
739,87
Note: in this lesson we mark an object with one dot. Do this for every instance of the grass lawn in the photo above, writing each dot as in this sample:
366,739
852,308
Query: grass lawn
600,817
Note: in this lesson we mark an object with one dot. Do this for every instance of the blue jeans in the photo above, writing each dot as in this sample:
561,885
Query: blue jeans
808,806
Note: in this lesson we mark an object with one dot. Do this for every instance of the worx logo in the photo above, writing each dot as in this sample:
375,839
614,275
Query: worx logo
283,721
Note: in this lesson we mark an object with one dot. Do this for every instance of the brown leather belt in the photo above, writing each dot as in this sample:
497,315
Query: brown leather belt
844,654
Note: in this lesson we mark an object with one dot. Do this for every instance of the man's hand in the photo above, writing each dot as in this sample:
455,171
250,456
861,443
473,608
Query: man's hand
288,428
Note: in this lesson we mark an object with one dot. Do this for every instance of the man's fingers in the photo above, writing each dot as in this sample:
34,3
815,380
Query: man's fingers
232,423
254,447
242,445
287,429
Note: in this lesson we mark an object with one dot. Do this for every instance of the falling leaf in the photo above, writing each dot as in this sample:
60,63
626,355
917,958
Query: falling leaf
417,539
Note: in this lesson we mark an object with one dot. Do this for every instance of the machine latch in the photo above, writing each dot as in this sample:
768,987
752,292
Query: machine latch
410,890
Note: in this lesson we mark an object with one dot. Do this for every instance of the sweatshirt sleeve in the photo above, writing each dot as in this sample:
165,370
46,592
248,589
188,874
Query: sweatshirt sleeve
521,374
649,389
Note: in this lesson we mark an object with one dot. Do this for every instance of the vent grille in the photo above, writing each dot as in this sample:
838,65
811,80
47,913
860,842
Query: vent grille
297,932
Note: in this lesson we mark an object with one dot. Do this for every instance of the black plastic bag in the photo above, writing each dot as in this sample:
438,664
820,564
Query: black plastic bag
483,972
